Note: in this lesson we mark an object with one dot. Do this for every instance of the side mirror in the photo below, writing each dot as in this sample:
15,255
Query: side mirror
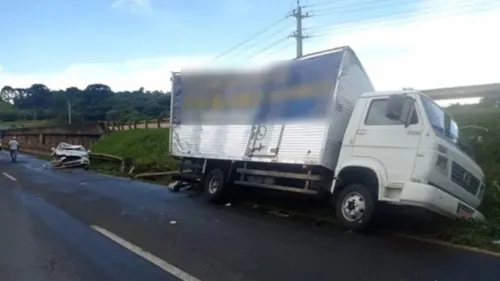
89,151
395,107
52,149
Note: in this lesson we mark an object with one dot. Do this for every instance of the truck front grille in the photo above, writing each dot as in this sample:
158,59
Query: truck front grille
466,180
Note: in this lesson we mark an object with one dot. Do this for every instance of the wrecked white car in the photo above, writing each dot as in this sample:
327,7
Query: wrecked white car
66,155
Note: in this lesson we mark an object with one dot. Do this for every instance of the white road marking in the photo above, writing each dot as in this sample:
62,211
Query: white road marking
177,272
9,177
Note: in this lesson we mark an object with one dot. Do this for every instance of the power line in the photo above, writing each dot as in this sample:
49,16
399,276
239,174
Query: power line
297,13
266,48
411,10
279,49
322,3
381,19
251,38
358,8
328,3
326,30
281,30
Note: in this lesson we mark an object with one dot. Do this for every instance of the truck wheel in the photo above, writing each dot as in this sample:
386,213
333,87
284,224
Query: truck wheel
355,206
215,187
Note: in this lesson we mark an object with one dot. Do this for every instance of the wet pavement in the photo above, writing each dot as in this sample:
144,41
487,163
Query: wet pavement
49,218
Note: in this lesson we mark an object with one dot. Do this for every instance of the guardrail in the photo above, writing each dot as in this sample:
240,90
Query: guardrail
46,151
126,164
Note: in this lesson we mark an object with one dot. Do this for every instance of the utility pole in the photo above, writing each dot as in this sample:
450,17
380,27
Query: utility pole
298,34
69,112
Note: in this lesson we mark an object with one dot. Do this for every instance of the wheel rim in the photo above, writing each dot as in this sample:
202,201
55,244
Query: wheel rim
353,206
213,185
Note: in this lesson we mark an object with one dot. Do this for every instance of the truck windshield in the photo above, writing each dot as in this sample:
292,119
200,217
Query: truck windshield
445,127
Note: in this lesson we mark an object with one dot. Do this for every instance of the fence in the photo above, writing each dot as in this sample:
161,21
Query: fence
48,136
112,126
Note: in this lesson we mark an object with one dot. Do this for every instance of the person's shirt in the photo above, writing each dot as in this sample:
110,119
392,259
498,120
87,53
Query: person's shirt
13,144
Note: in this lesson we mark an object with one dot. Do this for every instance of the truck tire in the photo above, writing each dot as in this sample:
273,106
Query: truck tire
355,206
215,186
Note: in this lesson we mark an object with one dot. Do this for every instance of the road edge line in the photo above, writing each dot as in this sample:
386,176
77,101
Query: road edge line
177,272
444,243
9,176
401,235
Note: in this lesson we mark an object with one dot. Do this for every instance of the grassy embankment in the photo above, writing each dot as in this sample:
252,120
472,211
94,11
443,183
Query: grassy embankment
481,234
149,148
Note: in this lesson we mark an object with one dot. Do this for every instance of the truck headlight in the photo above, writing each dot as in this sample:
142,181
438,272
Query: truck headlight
442,164
442,149
482,187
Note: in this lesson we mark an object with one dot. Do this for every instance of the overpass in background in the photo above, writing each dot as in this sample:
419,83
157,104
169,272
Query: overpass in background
473,91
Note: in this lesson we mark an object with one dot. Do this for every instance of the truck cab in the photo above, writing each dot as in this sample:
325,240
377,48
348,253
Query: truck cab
415,155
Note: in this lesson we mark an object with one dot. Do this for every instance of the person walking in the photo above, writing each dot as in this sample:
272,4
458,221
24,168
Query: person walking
13,147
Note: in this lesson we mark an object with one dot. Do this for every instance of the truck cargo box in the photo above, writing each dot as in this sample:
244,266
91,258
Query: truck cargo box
291,112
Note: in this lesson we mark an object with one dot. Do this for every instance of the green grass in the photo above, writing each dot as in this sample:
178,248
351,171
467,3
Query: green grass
148,148
474,233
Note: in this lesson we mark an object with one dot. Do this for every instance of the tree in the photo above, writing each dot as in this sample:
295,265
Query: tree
94,103
8,94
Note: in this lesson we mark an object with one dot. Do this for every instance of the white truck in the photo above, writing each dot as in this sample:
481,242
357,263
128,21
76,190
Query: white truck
316,126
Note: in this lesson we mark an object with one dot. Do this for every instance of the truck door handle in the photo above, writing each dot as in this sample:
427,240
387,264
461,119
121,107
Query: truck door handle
361,132
413,132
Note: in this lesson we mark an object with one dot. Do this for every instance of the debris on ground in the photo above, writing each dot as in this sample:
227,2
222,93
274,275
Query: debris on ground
279,214
177,186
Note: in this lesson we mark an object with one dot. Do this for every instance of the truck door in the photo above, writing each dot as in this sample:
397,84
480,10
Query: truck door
388,141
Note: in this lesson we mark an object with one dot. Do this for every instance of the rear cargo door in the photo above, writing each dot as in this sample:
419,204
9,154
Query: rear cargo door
264,140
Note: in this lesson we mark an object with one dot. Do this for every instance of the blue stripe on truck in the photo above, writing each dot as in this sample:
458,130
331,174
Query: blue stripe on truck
288,91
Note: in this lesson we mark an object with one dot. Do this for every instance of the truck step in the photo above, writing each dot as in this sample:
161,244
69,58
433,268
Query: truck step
278,187
280,174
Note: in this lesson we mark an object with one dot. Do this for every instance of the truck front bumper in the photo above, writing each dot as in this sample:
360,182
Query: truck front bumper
438,201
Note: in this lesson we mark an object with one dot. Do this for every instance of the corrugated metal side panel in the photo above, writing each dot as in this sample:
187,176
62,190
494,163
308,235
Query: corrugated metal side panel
300,143
353,82
218,142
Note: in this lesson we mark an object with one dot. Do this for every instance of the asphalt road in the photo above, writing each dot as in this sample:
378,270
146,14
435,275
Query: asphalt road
60,225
